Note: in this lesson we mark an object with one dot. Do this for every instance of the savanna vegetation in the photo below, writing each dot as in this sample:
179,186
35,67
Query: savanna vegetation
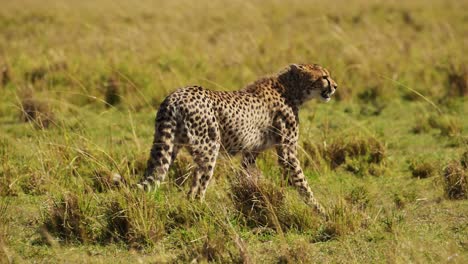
80,82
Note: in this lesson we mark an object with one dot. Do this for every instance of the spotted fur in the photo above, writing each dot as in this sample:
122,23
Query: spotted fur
248,121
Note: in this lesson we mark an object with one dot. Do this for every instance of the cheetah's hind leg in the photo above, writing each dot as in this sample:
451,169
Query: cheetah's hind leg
205,163
205,160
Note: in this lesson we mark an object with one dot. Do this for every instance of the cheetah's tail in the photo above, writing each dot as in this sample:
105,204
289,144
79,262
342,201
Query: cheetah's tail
162,149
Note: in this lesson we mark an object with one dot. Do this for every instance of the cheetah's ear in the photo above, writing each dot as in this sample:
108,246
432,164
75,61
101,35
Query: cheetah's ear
291,68
295,67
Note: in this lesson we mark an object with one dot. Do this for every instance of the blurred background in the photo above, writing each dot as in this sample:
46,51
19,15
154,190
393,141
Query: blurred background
161,45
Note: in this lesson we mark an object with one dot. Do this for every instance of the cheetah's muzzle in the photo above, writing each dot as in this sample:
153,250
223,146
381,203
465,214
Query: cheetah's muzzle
326,94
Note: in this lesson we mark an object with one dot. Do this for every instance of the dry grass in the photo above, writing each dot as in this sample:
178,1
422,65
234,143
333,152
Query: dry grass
77,218
359,196
104,180
345,218
266,206
35,110
456,181
112,91
421,125
457,79
464,160
359,154
128,220
67,220
213,249
372,100
40,73
448,125
7,170
339,151
422,169
258,201
298,252
5,75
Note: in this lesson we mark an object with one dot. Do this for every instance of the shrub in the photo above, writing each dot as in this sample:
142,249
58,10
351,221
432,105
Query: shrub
69,217
7,169
369,148
422,170
457,82
372,102
267,206
399,201
297,252
5,75
456,186
448,126
295,214
35,111
112,91
118,224
104,180
134,219
464,160
343,219
216,245
258,201
359,197
41,72
359,154
213,249
421,125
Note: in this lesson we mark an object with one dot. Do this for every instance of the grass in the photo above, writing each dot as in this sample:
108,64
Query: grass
80,83
423,169
456,176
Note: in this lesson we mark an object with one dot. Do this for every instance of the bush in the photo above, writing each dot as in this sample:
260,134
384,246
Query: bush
457,82
266,205
456,186
70,218
422,170
448,126
359,197
421,125
258,202
372,102
35,111
359,154
40,73
5,75
343,219
112,91
464,160
134,219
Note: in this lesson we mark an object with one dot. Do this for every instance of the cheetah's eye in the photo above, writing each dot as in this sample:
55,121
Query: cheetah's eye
324,77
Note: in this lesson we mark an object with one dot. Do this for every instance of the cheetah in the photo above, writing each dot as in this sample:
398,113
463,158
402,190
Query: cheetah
264,114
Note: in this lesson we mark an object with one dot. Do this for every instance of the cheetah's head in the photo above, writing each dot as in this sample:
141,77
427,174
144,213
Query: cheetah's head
309,81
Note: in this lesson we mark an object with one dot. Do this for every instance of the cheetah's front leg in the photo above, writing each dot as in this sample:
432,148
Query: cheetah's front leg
292,171
286,131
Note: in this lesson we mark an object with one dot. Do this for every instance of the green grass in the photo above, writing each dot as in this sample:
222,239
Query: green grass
80,83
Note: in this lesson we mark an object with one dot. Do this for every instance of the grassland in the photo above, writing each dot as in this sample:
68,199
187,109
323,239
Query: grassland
80,82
